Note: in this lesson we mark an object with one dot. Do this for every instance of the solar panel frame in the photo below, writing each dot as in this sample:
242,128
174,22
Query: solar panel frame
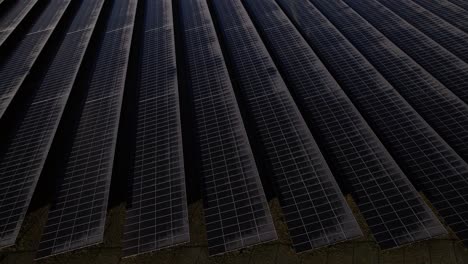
235,207
424,156
451,71
356,154
77,216
158,199
314,207
450,37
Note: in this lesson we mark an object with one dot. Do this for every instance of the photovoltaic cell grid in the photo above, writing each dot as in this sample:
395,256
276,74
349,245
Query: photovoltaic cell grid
314,207
460,3
157,212
447,35
20,158
77,216
448,11
393,209
236,211
443,110
36,130
432,165
57,82
439,62
11,19
17,64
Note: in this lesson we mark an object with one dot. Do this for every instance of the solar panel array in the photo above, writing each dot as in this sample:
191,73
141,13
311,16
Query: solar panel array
460,3
439,62
425,158
14,16
77,215
448,115
393,209
236,211
21,155
447,35
315,210
16,65
52,94
249,100
449,11
157,212
37,126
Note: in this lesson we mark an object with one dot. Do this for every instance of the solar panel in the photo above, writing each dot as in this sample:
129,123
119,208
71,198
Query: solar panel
236,210
393,209
460,3
425,158
157,212
447,35
19,168
12,18
447,114
442,64
448,11
314,207
77,215
17,64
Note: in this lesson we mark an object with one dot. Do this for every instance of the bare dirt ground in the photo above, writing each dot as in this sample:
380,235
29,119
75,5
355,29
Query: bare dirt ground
443,250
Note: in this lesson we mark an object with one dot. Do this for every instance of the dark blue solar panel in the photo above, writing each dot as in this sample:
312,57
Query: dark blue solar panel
393,209
438,61
14,16
425,158
461,3
447,35
448,11
24,152
236,211
16,65
157,212
314,207
443,110
77,216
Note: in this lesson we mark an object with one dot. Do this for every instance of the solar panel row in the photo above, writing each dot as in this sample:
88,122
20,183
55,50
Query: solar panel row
36,129
425,158
13,18
314,207
440,63
21,155
77,216
17,64
447,35
157,210
460,3
393,209
236,211
447,114
450,12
